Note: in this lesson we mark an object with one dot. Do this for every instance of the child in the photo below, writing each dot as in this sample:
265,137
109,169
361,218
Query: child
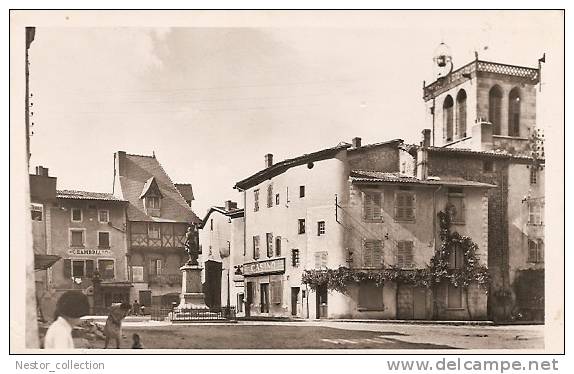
137,342
113,327
71,306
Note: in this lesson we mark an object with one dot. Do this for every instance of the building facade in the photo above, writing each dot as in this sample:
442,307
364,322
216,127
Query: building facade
158,216
484,123
350,206
221,239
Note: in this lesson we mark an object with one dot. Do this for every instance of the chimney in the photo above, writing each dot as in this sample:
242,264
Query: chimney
422,163
120,161
40,170
426,138
268,160
230,205
356,142
482,139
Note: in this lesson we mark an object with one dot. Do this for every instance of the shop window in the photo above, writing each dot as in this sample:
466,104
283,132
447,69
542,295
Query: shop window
405,206
372,206
256,247
103,239
37,211
454,297
76,215
256,200
535,250
321,228
106,269
370,296
295,257
321,260
269,237
373,253
301,226
103,216
78,268
77,238
405,254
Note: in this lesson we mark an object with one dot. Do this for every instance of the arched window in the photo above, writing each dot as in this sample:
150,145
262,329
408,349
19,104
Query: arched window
448,117
495,108
514,112
461,113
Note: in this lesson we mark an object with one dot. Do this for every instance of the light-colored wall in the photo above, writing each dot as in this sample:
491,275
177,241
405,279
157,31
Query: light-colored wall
61,224
519,230
326,179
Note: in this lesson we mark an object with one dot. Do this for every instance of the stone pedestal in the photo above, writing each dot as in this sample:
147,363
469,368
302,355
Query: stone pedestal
191,296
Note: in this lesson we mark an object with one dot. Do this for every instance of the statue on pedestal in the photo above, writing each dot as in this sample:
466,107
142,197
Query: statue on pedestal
192,245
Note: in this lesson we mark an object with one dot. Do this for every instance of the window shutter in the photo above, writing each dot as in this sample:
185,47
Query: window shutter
269,244
324,259
67,268
317,260
89,268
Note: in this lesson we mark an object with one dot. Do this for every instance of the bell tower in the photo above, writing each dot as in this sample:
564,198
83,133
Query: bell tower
482,105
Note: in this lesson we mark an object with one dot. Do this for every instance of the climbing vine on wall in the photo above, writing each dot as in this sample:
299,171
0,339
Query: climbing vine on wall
434,273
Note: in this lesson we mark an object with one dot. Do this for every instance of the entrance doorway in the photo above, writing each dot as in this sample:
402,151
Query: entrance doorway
294,300
412,303
322,310
264,297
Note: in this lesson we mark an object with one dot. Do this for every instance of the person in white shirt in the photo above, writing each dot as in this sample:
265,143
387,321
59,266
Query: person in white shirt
71,306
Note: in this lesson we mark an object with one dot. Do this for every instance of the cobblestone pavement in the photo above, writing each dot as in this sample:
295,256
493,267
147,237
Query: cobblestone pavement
327,335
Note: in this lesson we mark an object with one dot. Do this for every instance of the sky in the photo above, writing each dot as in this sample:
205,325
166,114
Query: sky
210,102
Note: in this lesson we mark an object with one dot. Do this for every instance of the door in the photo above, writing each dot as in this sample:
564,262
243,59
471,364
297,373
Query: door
264,297
145,298
322,302
249,300
419,303
294,300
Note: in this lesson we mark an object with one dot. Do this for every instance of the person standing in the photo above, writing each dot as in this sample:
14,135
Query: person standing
136,309
71,306
113,327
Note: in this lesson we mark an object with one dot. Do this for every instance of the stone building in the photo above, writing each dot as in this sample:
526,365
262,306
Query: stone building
221,239
484,128
157,218
359,207
80,234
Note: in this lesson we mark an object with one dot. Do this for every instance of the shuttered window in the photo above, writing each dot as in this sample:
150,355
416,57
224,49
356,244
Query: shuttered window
77,238
278,246
295,257
269,237
276,286
255,200
321,260
405,206
456,258
370,296
405,254
372,206
256,247
534,213
372,253
269,196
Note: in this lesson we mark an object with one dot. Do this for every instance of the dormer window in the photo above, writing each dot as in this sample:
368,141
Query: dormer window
152,198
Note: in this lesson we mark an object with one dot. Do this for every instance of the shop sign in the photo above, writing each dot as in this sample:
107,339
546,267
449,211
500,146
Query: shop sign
264,267
89,252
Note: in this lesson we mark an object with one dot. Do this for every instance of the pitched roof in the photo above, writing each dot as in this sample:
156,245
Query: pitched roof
375,177
85,195
134,171
374,145
186,190
283,166
471,152
233,213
